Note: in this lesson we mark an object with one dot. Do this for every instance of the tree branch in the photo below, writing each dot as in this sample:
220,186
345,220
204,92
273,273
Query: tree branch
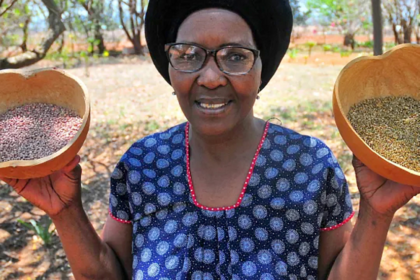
120,8
55,29
7,8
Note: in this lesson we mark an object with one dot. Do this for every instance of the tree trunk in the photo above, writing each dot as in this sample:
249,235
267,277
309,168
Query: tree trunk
396,34
135,27
95,17
138,49
377,27
350,41
100,38
23,46
55,29
140,46
62,43
407,34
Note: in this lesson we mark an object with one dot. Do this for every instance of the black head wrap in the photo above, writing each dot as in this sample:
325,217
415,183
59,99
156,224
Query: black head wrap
271,22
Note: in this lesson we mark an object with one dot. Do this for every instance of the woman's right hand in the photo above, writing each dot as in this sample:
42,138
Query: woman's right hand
53,193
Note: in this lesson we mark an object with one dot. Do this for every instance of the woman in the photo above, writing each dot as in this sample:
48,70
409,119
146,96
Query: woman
226,195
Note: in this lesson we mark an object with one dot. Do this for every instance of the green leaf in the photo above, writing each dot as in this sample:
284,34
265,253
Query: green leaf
25,224
37,227
42,231
311,44
327,48
17,12
293,53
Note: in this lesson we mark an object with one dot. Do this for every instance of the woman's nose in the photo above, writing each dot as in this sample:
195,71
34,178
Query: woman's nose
210,76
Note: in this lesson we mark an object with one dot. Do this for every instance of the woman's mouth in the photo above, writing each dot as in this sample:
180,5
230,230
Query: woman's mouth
213,108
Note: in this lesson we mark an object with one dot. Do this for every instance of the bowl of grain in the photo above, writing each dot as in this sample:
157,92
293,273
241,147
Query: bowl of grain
44,121
376,104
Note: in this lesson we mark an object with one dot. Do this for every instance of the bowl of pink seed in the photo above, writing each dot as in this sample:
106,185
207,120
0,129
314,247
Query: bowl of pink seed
44,121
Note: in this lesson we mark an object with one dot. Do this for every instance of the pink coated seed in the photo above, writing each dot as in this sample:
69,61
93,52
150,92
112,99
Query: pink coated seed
37,130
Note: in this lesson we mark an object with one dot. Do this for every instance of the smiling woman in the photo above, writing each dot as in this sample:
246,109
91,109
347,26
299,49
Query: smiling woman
225,195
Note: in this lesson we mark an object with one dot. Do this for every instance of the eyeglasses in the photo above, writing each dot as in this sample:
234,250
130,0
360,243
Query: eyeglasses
232,60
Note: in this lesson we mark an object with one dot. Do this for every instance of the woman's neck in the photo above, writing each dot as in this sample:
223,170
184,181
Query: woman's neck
229,145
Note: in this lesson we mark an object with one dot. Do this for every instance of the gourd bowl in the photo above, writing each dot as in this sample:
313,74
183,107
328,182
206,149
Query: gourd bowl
396,73
51,86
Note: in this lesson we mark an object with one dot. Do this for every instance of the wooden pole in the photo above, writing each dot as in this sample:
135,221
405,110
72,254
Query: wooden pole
377,27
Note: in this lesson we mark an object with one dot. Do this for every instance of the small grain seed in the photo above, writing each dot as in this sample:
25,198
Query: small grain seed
37,130
391,127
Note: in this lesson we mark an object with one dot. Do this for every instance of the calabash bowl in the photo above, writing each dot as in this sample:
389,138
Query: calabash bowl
18,87
396,73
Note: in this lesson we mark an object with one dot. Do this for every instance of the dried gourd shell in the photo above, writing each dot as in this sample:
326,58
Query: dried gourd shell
18,87
396,73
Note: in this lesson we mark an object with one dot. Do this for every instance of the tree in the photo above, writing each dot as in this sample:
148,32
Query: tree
299,18
348,15
402,15
16,18
133,11
29,57
95,10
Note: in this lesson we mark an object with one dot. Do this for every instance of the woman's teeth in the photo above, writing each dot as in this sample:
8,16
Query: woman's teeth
212,106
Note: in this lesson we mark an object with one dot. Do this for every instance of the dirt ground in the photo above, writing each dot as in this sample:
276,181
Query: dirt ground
131,100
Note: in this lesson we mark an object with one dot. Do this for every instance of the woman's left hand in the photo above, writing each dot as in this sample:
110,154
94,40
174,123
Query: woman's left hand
383,196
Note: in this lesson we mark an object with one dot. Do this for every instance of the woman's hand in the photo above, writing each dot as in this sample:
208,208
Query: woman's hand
383,196
53,193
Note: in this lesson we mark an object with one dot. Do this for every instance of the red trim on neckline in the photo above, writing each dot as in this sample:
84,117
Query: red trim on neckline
339,225
117,219
190,183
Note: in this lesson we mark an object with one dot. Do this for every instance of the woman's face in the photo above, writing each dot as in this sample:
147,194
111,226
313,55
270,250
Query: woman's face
212,29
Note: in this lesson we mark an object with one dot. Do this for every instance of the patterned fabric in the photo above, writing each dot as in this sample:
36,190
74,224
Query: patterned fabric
296,190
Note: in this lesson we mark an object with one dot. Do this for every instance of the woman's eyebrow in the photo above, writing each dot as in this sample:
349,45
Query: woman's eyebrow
241,44
231,44
186,42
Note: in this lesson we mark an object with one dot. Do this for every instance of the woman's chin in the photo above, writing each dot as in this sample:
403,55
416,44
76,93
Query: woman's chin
212,127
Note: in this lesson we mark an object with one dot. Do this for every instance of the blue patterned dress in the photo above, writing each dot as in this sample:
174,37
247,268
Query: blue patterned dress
295,190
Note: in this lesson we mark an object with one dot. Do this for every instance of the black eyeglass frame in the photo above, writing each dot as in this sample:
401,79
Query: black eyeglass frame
212,53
